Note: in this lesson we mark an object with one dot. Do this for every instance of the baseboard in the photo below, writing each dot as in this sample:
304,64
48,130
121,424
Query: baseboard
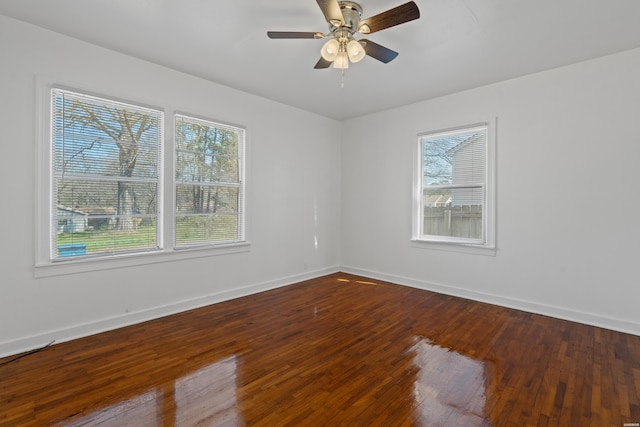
528,306
127,319
21,345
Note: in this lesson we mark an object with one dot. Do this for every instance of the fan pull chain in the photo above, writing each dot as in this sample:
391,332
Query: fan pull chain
342,81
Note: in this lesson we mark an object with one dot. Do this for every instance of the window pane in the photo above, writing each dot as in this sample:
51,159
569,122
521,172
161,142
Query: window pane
441,218
453,184
456,158
105,185
205,151
209,189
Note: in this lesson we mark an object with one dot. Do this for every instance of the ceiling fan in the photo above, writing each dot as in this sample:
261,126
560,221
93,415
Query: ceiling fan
344,19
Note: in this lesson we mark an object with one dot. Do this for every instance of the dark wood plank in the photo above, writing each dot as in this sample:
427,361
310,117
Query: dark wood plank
336,350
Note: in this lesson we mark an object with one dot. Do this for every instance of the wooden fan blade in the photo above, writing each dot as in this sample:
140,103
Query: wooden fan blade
293,35
331,11
377,51
323,63
392,17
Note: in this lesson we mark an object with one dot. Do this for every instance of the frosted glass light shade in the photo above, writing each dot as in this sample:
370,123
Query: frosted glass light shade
355,51
341,61
330,50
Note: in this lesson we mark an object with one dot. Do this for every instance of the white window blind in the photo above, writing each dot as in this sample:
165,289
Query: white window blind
453,188
105,186
209,182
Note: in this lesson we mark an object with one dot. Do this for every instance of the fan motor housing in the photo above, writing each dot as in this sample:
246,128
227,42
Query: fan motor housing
351,12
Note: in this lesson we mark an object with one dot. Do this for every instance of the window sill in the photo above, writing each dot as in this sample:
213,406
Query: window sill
130,260
455,247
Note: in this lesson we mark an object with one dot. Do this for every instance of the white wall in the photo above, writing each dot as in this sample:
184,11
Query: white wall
567,139
294,195
568,194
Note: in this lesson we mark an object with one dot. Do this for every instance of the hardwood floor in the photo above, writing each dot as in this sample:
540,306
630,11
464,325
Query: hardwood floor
339,350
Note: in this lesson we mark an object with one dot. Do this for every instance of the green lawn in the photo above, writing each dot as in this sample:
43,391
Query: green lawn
107,241
219,228
189,230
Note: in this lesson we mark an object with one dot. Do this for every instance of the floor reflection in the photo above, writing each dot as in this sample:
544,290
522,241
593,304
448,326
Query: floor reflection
144,409
206,396
449,388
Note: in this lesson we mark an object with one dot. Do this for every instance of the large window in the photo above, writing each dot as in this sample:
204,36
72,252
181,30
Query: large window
455,188
209,186
105,185
106,192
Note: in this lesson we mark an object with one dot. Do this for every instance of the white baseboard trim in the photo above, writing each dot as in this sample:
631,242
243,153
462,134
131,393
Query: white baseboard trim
21,345
614,324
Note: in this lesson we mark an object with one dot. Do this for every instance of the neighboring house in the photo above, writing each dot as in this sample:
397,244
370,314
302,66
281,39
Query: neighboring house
469,152
101,217
71,220
437,200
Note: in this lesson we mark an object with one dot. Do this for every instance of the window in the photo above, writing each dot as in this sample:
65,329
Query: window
455,187
209,186
105,186
106,196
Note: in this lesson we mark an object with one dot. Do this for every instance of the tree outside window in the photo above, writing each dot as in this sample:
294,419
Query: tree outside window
105,186
209,186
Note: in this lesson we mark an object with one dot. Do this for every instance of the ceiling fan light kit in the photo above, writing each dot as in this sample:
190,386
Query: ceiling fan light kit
355,51
344,20
330,50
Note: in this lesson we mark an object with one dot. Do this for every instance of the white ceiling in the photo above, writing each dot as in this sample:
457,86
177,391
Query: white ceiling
455,45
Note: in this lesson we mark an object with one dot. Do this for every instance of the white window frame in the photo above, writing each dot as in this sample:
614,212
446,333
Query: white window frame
44,266
485,246
240,185
94,178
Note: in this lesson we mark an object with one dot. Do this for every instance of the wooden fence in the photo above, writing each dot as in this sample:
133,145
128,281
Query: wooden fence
455,221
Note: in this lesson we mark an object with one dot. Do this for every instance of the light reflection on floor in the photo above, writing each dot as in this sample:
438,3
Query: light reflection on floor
143,407
206,396
450,387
